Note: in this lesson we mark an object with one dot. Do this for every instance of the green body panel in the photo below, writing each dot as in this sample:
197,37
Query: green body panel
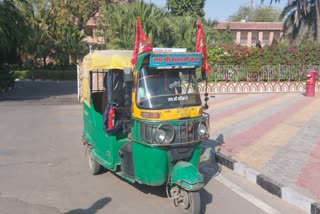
187,176
195,158
88,126
104,147
150,164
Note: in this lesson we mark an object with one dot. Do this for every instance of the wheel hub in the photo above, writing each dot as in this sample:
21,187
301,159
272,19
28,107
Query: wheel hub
180,197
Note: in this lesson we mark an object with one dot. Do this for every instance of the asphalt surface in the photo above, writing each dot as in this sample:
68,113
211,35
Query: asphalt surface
43,168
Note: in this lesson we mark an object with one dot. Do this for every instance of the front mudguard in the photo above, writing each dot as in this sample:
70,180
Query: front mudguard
187,176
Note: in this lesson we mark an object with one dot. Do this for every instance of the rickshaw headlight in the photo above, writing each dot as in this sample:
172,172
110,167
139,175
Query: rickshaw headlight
164,134
203,131
160,135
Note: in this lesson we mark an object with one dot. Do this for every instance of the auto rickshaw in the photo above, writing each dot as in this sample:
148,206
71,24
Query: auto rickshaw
146,122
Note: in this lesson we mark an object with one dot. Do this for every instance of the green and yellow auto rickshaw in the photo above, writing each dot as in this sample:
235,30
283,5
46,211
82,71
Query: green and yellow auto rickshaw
146,122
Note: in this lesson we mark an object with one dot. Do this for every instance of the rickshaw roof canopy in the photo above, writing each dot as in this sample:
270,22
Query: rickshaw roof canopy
108,59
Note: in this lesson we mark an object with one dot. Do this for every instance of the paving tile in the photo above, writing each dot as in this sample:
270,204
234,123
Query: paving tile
276,134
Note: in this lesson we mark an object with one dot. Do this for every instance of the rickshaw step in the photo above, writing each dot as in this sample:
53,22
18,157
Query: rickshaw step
126,177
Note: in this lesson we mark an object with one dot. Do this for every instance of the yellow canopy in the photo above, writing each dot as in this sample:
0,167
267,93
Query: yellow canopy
98,60
107,59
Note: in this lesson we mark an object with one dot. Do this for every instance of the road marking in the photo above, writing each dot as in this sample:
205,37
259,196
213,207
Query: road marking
252,199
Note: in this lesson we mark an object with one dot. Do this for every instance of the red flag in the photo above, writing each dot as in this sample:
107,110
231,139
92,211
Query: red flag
141,42
201,47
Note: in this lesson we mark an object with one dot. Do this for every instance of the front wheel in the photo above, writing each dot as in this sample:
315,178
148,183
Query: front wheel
94,167
188,202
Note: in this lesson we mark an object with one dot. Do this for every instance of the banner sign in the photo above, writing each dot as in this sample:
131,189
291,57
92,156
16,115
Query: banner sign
175,60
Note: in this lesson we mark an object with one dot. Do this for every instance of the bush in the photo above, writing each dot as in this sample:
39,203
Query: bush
253,59
6,76
277,62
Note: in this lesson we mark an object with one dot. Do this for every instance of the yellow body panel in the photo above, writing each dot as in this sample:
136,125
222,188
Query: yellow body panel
101,60
166,114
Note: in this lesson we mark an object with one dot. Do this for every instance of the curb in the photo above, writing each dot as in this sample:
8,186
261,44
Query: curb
287,194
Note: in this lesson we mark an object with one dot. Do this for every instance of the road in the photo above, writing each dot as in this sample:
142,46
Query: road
43,167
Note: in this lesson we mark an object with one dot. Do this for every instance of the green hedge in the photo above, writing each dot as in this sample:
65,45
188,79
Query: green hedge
6,76
255,59
6,80
46,74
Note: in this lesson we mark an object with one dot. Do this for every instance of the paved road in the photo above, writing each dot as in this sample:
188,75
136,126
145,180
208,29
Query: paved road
43,169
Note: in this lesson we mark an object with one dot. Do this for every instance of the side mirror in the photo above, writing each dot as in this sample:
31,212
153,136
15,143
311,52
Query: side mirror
127,74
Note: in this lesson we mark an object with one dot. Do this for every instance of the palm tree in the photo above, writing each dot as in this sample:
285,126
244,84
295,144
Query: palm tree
118,23
304,11
162,28
299,29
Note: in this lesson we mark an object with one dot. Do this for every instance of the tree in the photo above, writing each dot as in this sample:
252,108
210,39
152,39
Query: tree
13,30
117,25
243,13
260,14
57,27
186,7
301,12
299,30
266,14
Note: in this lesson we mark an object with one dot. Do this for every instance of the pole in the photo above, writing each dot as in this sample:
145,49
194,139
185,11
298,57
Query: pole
78,82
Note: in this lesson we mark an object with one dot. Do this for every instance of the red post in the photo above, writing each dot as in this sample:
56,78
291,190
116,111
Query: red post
311,82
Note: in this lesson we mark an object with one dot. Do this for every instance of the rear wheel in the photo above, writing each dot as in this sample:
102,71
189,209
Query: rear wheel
188,202
94,167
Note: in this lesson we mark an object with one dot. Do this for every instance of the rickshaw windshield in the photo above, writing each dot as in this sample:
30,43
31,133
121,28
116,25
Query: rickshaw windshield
167,88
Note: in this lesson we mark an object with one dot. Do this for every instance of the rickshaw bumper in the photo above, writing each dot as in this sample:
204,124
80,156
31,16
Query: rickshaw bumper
187,176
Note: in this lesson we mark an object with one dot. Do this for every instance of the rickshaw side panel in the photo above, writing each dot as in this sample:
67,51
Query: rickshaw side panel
88,126
101,142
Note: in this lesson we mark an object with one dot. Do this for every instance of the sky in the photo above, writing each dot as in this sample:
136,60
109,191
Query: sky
220,10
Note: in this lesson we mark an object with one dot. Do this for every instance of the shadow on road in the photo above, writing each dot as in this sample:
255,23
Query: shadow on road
208,165
159,191
37,90
209,168
93,208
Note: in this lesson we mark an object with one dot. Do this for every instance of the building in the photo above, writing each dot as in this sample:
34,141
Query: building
249,33
90,30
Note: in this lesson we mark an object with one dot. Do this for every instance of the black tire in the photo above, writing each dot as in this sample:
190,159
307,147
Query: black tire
191,204
94,167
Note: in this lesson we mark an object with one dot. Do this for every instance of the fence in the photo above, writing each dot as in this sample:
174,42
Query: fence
268,73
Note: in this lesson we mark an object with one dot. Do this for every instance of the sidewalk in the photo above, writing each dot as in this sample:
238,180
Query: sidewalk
273,140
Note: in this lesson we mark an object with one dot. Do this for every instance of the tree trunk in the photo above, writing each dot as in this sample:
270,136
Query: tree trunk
44,61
